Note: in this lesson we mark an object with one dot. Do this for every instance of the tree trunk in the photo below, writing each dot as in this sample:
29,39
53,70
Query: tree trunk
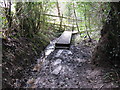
76,18
8,16
8,13
86,25
60,18
58,8
108,49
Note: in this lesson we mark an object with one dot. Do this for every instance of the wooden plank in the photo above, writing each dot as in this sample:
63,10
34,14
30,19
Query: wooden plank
65,38
63,17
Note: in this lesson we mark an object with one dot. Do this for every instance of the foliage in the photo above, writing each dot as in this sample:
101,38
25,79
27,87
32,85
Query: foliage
96,14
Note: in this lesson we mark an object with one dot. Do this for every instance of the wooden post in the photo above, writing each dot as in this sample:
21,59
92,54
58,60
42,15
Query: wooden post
61,22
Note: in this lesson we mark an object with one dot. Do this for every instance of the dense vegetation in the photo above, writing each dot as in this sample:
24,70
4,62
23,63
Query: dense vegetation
28,27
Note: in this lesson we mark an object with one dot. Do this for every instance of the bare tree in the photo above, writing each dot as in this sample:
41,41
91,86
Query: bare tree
76,18
86,24
59,14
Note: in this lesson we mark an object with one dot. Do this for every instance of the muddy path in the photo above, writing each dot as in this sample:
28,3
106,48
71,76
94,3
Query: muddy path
69,69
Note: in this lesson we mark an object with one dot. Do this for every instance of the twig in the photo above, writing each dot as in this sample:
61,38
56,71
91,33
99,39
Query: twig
101,87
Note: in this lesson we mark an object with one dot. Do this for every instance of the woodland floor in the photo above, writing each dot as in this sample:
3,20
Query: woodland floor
71,69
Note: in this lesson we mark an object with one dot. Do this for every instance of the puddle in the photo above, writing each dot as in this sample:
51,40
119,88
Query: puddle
50,48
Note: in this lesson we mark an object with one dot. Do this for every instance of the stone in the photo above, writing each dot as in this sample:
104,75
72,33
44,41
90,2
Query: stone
69,53
58,61
58,53
57,70
47,52
31,81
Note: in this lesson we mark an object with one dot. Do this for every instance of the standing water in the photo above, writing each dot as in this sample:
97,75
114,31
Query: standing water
51,47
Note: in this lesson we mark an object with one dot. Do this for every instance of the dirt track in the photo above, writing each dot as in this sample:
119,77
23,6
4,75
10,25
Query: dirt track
70,69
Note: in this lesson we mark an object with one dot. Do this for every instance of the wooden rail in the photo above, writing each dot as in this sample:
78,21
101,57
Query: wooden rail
62,17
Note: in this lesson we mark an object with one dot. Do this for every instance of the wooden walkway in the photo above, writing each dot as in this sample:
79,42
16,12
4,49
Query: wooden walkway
64,40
